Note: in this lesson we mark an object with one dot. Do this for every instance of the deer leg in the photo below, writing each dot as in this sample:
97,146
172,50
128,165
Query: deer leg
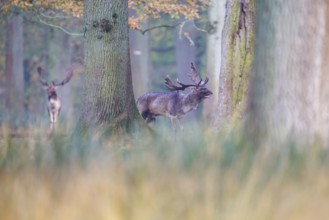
57,115
181,126
52,117
145,115
49,114
52,127
173,122
150,119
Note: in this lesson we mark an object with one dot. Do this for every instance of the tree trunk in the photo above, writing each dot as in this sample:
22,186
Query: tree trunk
216,15
289,92
236,64
14,68
109,98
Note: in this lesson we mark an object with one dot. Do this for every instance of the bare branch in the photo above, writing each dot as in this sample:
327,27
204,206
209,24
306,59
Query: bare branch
180,31
55,17
61,28
198,28
158,26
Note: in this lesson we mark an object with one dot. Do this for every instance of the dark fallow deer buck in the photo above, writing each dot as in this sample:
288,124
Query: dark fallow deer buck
174,104
54,103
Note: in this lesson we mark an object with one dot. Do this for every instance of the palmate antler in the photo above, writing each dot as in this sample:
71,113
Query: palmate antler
172,87
41,79
194,76
69,74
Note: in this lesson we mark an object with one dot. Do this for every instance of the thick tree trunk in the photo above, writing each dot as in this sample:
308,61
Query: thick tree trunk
14,68
289,88
236,64
109,98
216,17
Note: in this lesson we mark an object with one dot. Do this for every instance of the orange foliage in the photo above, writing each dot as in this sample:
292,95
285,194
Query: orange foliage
189,9
74,8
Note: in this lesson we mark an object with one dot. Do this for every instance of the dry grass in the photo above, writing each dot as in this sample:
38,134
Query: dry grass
182,176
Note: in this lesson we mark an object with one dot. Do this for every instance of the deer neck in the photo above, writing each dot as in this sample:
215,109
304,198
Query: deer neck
189,102
52,95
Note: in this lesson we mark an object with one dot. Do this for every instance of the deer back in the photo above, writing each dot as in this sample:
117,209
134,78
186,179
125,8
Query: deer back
159,103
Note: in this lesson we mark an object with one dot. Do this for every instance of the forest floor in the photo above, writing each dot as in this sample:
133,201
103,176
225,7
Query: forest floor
190,174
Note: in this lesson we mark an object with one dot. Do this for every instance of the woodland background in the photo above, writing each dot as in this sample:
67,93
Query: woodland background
257,149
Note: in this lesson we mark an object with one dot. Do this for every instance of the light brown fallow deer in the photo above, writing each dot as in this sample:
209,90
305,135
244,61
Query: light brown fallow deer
54,103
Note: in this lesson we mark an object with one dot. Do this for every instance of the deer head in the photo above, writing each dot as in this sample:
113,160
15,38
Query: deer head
198,86
174,104
54,103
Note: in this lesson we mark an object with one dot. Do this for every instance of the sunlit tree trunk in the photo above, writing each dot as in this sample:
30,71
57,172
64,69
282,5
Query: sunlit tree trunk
236,64
14,68
216,15
109,98
289,93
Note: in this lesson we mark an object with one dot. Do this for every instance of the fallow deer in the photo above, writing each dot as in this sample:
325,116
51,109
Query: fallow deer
54,103
174,104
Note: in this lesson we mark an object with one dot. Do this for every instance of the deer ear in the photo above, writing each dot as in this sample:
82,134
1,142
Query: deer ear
45,87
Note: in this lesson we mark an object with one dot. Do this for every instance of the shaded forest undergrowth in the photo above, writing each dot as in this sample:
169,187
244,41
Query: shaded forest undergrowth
194,174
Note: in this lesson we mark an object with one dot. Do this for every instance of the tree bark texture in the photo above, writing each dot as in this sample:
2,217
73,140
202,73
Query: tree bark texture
109,98
14,67
216,15
236,63
289,91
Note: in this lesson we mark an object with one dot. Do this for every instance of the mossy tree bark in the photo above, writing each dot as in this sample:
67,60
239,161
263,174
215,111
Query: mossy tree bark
289,90
109,99
237,58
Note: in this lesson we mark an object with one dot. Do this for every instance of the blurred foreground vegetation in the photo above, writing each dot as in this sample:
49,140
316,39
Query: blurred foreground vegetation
193,174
